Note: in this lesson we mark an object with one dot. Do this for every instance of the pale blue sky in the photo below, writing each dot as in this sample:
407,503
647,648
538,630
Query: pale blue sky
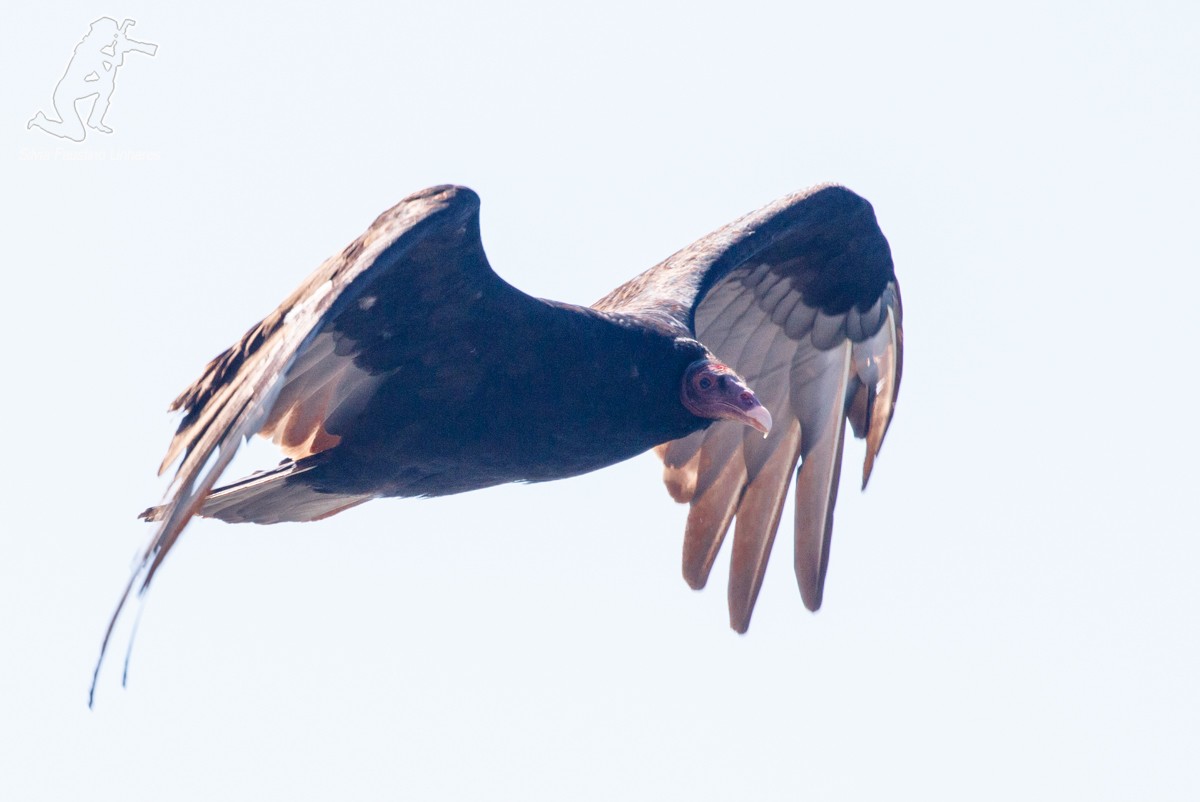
1012,608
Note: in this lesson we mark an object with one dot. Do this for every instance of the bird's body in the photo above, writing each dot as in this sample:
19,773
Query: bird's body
442,432
586,409
404,366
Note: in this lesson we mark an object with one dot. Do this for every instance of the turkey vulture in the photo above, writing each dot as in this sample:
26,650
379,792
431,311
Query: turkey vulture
404,366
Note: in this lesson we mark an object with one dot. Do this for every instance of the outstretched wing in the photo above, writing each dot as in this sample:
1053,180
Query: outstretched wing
801,299
307,368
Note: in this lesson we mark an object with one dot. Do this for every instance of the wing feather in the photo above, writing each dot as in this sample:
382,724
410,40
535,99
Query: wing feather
821,379
303,423
800,298
238,389
811,392
757,522
709,517
877,366
756,449
681,461
718,491
800,321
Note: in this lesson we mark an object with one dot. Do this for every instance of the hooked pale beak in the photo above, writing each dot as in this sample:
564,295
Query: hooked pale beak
742,405
759,418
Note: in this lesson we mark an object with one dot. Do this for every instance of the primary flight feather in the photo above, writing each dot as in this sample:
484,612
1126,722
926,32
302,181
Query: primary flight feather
404,366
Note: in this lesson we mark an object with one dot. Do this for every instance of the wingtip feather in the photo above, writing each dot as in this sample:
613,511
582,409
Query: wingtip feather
708,522
817,484
881,395
758,516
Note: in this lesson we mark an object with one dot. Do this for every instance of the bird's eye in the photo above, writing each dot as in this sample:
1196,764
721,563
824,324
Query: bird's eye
705,383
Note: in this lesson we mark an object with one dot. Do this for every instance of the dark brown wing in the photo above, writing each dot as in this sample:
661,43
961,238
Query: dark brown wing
316,359
801,299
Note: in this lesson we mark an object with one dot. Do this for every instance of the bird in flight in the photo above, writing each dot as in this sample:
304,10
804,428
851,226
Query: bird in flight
404,366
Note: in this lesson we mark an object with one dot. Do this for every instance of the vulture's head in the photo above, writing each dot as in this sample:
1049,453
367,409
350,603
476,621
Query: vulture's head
714,391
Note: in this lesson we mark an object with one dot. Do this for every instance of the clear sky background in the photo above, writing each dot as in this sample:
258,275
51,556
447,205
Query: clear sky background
1012,608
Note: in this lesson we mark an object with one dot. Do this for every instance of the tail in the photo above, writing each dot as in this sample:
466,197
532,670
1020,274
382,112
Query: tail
283,494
